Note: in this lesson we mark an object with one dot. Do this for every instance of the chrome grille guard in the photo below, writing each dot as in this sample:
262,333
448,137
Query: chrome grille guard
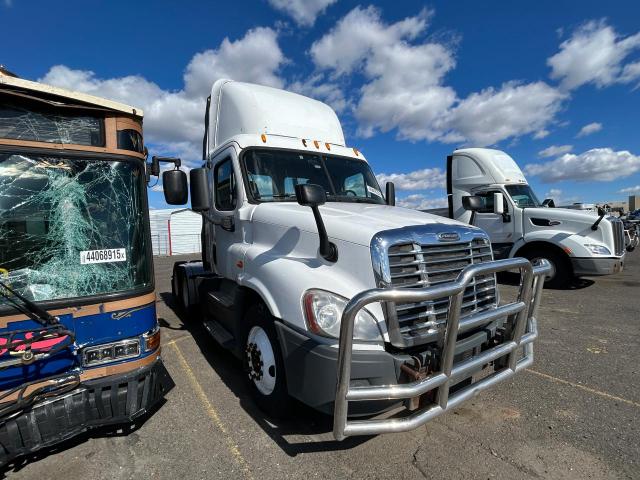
524,332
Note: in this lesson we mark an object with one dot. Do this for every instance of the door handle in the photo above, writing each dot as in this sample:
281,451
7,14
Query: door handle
227,223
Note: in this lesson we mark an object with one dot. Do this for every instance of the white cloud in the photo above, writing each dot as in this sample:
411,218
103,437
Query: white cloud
589,129
515,109
173,119
404,85
554,193
555,150
319,87
254,58
600,164
419,201
595,53
635,189
304,12
424,179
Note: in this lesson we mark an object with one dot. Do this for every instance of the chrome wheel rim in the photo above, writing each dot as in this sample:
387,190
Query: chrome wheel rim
261,361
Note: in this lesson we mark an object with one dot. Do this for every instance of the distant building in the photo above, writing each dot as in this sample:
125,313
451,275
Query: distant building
634,202
175,231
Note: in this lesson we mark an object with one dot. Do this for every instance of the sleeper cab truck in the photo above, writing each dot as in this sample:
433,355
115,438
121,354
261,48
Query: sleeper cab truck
79,338
327,291
504,205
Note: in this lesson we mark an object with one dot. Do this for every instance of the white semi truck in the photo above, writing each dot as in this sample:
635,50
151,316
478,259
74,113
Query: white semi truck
326,290
486,188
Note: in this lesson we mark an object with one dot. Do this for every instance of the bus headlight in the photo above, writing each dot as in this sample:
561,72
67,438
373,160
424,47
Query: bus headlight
111,352
323,312
597,249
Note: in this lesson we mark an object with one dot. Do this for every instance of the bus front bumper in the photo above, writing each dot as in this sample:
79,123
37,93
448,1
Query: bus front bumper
112,400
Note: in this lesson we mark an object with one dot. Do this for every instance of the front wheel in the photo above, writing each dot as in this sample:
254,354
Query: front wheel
560,275
263,364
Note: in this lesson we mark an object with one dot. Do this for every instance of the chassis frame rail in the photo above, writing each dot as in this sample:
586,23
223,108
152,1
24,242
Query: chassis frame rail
524,332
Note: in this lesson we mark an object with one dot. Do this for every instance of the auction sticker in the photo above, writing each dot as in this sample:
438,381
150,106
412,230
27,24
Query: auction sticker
105,255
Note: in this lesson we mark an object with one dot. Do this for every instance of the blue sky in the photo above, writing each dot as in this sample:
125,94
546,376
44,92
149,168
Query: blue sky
553,83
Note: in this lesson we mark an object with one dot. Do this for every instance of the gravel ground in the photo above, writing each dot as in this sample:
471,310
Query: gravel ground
575,414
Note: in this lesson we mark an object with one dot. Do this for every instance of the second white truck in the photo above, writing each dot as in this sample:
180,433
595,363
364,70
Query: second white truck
327,291
486,188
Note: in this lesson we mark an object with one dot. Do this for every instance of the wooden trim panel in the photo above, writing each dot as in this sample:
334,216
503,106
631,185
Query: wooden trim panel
93,309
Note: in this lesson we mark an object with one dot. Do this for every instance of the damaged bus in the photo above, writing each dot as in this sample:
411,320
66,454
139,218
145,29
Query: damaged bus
79,337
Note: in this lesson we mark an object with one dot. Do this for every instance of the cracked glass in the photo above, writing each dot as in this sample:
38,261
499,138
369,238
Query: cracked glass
71,227
39,124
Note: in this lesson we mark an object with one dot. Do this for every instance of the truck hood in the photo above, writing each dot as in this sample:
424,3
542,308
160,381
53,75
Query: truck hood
350,222
565,215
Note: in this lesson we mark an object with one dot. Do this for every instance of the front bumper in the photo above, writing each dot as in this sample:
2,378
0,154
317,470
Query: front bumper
116,399
588,266
436,386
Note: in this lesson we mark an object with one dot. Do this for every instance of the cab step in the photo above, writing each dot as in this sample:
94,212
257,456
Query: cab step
220,334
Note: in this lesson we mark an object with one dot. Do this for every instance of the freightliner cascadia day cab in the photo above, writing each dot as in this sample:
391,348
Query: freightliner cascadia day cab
575,243
327,291
79,338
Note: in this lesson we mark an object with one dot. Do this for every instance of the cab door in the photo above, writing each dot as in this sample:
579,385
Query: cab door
226,201
501,228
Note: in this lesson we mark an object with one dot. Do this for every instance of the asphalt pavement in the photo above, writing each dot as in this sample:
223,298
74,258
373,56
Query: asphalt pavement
574,414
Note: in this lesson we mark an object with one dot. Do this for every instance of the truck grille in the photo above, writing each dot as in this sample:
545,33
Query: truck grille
418,266
618,236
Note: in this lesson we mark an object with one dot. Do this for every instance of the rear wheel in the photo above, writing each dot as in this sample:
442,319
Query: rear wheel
263,364
561,274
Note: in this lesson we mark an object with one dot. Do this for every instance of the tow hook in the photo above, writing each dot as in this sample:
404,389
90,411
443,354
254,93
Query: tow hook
413,373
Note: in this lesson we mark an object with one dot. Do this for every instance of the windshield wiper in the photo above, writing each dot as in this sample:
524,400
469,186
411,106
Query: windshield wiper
351,199
29,308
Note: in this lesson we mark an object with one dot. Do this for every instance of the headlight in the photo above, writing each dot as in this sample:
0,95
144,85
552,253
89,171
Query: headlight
597,249
323,311
111,352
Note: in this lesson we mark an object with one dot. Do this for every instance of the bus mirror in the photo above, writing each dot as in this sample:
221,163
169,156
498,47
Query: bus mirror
548,202
471,203
199,190
390,193
498,205
174,183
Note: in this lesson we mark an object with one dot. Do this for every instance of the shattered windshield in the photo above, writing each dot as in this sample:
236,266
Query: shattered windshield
273,174
71,227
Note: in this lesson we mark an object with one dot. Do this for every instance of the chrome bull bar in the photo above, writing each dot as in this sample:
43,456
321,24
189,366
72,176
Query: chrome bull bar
524,332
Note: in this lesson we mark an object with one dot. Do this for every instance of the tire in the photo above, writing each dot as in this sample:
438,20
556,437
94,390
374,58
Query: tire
561,273
263,364
179,288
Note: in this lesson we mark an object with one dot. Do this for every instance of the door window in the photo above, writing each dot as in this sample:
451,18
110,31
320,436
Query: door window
225,185
487,202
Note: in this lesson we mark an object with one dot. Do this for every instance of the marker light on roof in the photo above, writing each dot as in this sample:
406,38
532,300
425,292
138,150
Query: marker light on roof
328,146
264,138
304,142
315,142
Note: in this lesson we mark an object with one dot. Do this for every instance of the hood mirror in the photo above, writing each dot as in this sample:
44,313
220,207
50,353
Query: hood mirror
313,196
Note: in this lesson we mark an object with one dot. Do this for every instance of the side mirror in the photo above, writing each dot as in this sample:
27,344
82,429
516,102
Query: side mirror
471,203
200,198
174,183
390,194
548,202
498,203
310,195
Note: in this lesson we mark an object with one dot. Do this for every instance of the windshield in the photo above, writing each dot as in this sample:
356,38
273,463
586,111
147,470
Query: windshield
273,174
523,196
71,227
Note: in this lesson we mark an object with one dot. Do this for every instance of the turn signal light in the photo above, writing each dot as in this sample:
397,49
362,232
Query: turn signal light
151,340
